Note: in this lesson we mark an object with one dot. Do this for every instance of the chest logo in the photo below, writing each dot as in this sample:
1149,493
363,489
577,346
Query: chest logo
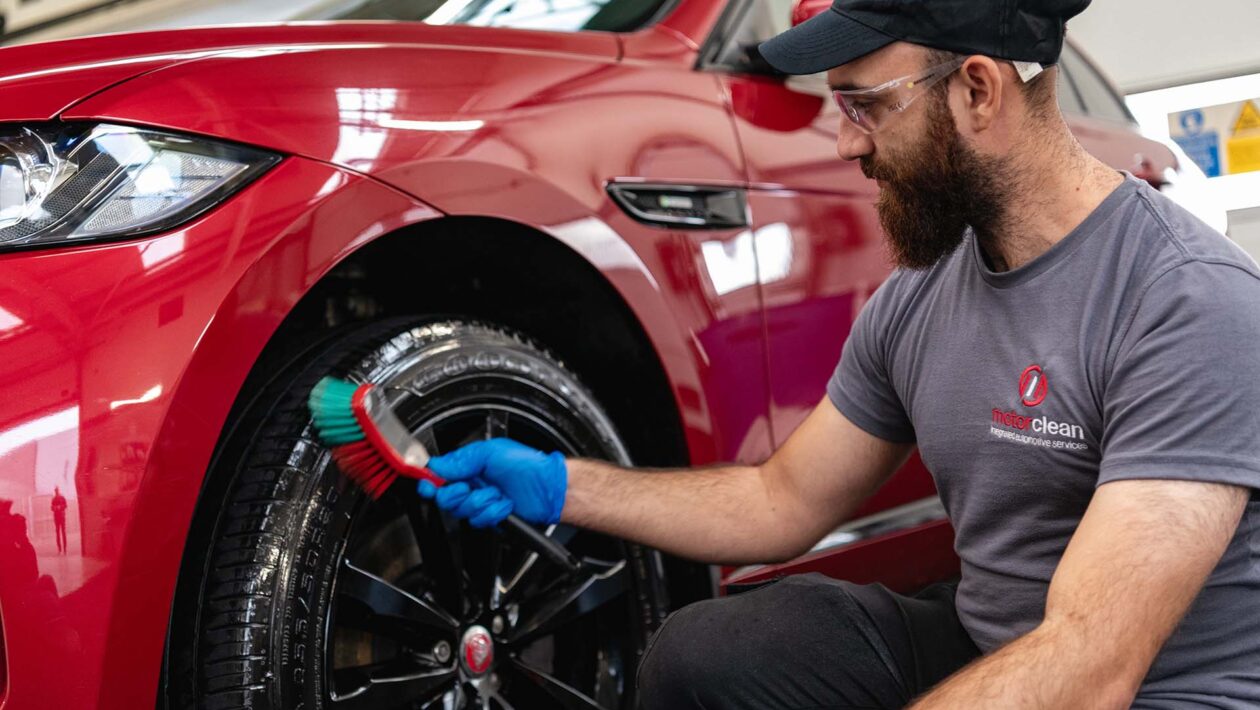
1033,386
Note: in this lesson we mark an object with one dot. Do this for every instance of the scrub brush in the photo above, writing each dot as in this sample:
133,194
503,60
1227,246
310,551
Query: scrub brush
373,448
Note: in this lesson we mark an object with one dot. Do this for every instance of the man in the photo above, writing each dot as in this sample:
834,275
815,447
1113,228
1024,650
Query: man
1075,358
59,518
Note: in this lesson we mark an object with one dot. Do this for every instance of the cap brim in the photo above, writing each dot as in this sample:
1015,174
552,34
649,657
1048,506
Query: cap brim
826,40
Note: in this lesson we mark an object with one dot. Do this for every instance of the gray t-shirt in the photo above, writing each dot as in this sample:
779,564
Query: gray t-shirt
1129,350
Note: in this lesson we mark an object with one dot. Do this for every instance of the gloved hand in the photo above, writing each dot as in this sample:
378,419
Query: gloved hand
483,507
501,470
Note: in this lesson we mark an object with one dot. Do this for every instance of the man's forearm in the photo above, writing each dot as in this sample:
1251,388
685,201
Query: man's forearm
1137,560
724,515
1051,667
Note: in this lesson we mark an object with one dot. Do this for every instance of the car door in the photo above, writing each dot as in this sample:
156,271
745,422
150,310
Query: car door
820,256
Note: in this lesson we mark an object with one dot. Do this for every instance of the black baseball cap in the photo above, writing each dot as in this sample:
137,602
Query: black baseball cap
1019,30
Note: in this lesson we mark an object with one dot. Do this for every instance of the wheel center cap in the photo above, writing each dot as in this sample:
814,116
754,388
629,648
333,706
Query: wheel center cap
478,650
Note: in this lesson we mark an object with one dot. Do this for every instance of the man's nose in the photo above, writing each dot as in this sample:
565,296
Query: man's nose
851,142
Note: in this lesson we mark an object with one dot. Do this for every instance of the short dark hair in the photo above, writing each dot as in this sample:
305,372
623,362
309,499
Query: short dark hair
1039,93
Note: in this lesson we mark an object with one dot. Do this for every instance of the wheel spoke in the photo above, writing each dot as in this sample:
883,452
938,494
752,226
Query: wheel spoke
507,587
496,424
425,437
438,538
441,551
560,694
567,600
562,534
385,609
496,565
383,687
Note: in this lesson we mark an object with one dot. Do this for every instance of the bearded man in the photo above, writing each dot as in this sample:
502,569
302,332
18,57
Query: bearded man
1105,510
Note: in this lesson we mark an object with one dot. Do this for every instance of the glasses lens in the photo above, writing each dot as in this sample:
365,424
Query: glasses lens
857,112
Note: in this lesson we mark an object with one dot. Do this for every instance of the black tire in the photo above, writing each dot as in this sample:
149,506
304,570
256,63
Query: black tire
292,608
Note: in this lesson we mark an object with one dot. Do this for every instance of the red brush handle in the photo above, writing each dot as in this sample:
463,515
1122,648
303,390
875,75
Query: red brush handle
386,450
424,474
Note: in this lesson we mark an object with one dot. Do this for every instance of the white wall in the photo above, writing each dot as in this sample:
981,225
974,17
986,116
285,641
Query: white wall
1151,44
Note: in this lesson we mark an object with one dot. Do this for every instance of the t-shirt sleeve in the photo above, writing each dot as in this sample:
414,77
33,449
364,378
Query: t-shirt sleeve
1180,401
861,387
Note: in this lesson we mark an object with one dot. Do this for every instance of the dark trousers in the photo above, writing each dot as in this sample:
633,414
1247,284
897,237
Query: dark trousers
60,525
805,642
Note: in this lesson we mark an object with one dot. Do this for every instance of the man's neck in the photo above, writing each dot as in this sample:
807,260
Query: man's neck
1052,191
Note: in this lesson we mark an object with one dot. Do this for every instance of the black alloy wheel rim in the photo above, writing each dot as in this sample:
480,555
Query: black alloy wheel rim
412,580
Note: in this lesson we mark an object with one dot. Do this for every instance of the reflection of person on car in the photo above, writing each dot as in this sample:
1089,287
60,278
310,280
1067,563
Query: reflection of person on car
18,566
1074,357
59,518
32,607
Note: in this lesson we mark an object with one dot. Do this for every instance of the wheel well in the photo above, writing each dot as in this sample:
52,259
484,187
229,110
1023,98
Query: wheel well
499,271
513,275
488,269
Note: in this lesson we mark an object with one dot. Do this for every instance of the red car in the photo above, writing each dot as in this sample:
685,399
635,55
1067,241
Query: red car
601,228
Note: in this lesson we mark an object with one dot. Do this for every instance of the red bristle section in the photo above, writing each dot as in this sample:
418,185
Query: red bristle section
364,465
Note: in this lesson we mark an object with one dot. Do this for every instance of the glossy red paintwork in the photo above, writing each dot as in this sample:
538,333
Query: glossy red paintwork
123,365
119,362
41,80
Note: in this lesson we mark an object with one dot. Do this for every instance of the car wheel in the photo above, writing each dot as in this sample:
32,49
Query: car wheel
314,596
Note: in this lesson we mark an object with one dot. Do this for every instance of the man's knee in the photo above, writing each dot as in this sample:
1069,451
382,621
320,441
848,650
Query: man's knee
680,664
717,652
800,642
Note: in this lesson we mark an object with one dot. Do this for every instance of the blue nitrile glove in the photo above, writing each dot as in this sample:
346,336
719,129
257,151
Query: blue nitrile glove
483,507
533,482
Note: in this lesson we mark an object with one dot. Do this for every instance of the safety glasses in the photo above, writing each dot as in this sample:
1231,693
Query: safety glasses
870,109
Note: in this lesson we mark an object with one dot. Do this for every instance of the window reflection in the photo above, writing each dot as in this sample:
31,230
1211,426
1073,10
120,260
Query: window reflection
553,15
559,15
8,321
733,264
361,112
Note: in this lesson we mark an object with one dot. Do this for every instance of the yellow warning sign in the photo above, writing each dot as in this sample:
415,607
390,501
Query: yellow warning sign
1242,150
1248,119
1243,153
1222,140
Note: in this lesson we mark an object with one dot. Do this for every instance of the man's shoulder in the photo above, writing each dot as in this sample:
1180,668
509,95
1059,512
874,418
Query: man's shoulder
1168,238
1187,275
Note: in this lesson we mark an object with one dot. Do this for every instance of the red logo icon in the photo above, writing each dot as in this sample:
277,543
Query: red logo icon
1033,386
478,650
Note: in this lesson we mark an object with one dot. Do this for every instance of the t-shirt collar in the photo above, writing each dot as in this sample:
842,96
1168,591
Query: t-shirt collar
1061,250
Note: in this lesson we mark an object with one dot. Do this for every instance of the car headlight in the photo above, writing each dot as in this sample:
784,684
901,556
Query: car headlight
65,184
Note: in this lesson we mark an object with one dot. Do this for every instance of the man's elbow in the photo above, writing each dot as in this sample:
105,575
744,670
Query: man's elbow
790,527
786,553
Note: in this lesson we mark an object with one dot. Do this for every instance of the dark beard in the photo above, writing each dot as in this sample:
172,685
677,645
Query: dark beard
933,191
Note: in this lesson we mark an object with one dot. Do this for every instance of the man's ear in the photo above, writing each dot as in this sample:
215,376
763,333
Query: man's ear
982,79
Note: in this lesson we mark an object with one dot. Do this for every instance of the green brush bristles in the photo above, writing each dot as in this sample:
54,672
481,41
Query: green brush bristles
334,417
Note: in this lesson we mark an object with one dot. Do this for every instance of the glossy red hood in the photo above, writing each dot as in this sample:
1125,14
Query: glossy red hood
40,81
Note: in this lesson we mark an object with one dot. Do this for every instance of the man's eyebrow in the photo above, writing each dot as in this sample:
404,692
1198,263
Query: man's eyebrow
845,86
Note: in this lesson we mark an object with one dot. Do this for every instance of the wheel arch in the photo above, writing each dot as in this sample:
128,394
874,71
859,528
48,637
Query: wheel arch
492,269
469,267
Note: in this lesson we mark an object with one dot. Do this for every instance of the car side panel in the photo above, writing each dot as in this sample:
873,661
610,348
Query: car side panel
819,247
121,363
530,138
686,287
360,106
